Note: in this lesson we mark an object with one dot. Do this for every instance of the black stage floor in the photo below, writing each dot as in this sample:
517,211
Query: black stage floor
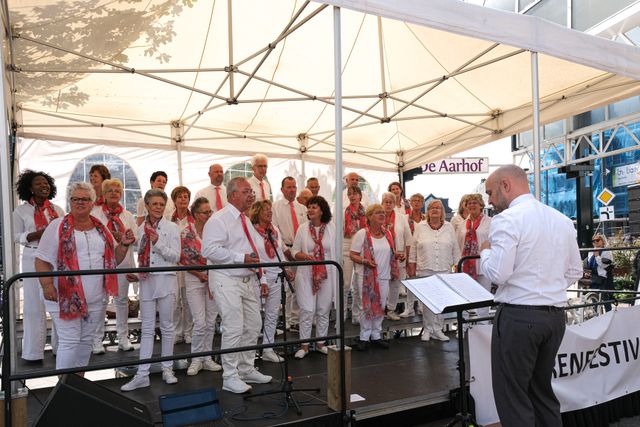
411,375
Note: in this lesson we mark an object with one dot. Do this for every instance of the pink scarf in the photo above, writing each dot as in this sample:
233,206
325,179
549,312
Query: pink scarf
268,247
70,291
114,223
354,220
372,306
319,272
471,247
144,252
39,216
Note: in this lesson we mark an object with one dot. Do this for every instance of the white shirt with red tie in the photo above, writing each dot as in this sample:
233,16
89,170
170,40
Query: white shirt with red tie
216,194
283,218
261,188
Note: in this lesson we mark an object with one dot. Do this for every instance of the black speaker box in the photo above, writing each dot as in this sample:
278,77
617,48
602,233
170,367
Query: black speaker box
76,401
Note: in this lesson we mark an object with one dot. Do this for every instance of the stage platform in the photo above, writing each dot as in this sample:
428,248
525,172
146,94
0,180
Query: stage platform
408,384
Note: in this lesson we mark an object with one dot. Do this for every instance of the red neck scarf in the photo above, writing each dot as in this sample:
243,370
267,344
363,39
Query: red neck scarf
100,201
390,224
268,246
114,223
144,252
191,247
190,219
354,220
319,272
41,212
70,291
471,246
372,306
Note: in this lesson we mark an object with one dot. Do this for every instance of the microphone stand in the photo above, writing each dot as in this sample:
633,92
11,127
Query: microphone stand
287,384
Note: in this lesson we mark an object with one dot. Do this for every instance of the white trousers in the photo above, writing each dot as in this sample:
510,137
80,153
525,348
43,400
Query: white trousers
182,321
349,282
75,338
34,316
240,313
165,307
318,306
204,312
371,328
271,308
121,303
430,321
394,288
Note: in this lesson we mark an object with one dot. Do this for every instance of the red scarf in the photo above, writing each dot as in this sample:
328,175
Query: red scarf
319,272
39,216
412,223
99,201
114,223
471,247
70,291
144,252
271,252
390,224
191,247
372,306
354,220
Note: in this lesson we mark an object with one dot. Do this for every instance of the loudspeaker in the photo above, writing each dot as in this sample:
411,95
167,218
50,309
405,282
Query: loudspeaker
76,401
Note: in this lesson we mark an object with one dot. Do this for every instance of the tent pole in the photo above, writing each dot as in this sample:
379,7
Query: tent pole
337,67
536,124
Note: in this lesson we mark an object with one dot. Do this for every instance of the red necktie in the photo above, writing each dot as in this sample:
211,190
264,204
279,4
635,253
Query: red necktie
253,246
262,191
294,218
218,199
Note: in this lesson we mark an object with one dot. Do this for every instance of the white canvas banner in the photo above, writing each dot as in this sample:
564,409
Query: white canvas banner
597,362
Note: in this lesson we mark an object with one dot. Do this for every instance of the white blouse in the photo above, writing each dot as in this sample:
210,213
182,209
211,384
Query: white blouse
435,250
23,223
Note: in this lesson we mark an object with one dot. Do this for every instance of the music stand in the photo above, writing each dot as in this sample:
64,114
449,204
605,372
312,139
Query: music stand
287,383
468,295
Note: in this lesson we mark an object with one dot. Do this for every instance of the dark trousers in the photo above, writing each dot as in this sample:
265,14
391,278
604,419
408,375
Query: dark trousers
524,344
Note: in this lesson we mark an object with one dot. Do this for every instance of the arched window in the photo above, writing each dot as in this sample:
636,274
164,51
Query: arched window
240,169
118,169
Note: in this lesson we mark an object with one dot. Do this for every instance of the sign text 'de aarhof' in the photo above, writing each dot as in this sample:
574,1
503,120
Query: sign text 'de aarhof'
458,165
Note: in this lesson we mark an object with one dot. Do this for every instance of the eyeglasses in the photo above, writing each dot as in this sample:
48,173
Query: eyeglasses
596,240
114,190
80,200
209,212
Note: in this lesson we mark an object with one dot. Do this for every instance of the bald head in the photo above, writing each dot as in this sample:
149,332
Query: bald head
505,184
352,179
304,195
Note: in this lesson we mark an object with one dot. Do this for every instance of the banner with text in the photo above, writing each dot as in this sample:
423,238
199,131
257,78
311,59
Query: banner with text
598,361
458,165
626,175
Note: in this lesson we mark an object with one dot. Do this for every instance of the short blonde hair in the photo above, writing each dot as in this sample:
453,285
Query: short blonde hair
371,209
431,202
476,197
389,195
114,182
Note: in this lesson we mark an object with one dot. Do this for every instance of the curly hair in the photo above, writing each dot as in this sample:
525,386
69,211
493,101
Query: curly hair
25,179
324,207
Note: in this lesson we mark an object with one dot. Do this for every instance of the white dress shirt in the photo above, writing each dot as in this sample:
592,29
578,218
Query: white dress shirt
141,209
282,218
90,250
534,254
210,193
129,223
225,242
435,250
255,186
23,223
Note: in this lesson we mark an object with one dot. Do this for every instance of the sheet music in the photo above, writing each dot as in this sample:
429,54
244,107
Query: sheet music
465,286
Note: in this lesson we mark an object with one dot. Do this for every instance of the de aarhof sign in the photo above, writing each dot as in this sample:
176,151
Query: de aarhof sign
458,165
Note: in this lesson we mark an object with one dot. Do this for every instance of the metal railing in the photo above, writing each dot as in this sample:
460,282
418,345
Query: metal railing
8,377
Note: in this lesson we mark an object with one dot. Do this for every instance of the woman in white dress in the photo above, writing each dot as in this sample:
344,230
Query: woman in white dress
30,219
354,220
117,219
315,240
434,251
78,241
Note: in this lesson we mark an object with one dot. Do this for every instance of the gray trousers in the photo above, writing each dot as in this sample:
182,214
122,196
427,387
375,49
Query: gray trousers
524,344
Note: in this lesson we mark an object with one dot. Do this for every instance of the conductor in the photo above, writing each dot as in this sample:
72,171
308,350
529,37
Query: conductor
532,255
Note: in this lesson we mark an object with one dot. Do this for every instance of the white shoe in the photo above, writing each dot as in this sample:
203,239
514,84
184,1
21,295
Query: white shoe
98,348
271,356
391,315
300,354
180,364
139,381
322,349
210,365
426,336
235,385
168,376
187,339
124,344
194,368
439,335
255,377
409,312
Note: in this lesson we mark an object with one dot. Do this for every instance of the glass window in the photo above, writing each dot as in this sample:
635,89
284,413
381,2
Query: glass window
553,130
634,35
551,10
624,107
118,169
509,5
588,118
587,13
